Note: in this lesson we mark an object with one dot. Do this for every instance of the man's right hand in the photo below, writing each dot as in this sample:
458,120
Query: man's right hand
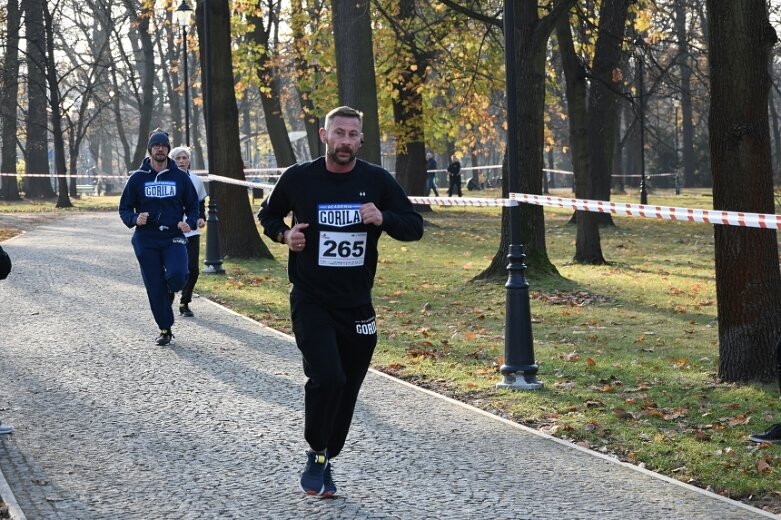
294,237
141,219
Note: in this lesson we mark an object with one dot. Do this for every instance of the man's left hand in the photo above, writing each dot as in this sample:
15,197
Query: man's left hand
184,227
370,214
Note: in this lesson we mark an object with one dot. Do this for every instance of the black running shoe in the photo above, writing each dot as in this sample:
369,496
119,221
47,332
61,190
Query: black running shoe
312,478
329,487
185,311
164,338
773,435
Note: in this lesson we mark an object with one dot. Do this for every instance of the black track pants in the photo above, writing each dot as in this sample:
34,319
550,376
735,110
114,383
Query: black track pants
337,347
193,251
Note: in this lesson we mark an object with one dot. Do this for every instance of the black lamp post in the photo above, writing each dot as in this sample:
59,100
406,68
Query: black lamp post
183,15
677,105
519,370
641,109
213,259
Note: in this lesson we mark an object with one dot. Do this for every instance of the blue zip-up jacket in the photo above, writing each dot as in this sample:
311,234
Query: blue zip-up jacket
165,195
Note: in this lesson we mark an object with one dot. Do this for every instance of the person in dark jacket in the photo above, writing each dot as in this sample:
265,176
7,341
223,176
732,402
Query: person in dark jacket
431,175
5,269
153,202
341,205
454,175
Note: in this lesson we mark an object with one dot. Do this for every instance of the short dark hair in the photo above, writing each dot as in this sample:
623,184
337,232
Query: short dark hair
344,111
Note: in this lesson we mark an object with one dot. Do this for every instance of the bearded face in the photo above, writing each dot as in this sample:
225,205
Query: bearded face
342,140
159,152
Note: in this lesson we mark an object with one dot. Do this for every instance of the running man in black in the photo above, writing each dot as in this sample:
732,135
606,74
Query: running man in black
341,205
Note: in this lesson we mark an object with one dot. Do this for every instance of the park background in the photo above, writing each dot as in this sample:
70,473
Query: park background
623,99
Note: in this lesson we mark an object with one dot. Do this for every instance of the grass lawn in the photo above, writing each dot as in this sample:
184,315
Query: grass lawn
627,352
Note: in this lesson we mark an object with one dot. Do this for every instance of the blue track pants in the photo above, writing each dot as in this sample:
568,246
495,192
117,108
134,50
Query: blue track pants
163,262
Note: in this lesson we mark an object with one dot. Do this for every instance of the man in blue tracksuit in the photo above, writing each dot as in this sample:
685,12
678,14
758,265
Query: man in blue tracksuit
153,201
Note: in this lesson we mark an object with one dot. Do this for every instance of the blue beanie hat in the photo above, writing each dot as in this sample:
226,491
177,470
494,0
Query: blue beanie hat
158,137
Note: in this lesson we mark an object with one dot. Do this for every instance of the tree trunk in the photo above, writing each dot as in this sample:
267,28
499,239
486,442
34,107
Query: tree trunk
147,74
37,152
408,108
8,102
355,69
63,201
531,39
748,282
588,249
687,126
173,77
270,96
603,101
239,235
306,69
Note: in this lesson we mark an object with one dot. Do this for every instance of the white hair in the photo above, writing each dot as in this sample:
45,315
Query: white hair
180,149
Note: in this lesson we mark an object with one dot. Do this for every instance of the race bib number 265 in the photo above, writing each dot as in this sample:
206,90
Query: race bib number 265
342,249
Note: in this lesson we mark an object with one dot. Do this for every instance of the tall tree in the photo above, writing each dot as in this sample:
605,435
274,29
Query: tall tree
63,201
355,69
36,150
532,31
260,36
146,64
407,73
684,64
603,104
308,69
8,101
748,282
239,235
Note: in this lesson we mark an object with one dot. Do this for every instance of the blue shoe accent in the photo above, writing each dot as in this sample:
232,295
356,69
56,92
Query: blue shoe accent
329,487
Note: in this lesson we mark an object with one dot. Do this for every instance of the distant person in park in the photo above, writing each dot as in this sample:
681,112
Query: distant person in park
454,175
474,183
5,269
341,205
153,201
772,434
431,175
181,156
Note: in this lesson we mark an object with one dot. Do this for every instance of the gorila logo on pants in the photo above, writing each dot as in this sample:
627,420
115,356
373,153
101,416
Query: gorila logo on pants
366,327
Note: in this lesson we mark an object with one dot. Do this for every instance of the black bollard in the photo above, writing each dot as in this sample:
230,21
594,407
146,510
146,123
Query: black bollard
213,261
519,369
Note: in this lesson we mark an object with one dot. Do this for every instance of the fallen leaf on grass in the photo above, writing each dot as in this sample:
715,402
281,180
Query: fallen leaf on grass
738,420
763,466
572,356
622,414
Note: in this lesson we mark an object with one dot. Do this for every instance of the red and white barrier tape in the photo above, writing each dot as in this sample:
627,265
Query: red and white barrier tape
238,182
462,201
730,218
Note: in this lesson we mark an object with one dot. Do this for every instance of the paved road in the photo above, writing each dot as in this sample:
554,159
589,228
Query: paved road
110,426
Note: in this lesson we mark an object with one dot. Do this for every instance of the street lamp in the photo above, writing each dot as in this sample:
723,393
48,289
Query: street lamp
519,369
641,107
677,105
183,15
